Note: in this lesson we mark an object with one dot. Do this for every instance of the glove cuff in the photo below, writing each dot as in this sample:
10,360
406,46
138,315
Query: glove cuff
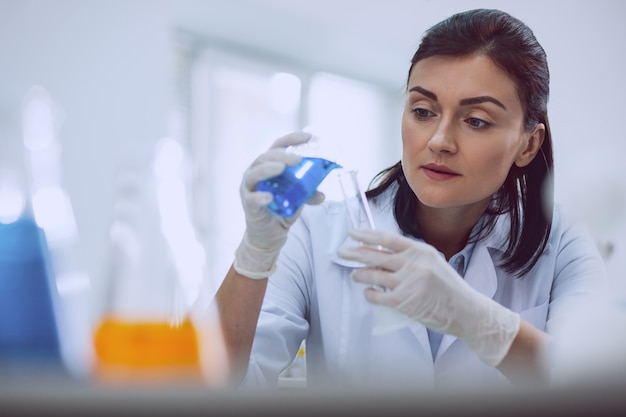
499,330
253,262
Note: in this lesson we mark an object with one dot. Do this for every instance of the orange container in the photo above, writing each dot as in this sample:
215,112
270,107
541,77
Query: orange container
146,351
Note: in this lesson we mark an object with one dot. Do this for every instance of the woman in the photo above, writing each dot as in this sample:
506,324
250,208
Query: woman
468,245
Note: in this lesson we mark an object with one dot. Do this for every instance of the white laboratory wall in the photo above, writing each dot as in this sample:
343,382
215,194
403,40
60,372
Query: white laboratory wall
110,66
233,118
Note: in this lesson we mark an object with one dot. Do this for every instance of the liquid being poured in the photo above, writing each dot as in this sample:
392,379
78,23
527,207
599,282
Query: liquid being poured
296,184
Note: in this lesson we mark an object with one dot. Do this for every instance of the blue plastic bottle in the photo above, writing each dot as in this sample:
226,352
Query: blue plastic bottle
296,184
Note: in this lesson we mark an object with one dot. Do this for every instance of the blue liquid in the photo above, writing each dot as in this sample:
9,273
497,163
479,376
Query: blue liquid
28,327
296,185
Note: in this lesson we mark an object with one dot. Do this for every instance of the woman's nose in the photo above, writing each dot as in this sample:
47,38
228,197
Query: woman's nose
443,139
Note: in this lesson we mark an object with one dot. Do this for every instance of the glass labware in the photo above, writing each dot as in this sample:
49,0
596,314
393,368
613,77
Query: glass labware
357,206
147,332
360,217
297,183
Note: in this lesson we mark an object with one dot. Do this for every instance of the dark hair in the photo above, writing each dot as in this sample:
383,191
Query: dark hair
527,192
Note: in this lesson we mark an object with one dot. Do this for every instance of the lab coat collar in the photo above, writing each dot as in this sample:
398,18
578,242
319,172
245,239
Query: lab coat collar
480,275
481,272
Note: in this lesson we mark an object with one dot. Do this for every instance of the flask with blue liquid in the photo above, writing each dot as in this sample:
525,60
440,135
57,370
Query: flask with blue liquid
28,327
297,183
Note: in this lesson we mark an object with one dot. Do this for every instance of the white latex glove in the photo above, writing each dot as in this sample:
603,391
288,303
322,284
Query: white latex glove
423,286
266,232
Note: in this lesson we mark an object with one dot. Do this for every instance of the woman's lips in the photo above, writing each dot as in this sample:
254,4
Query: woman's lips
439,172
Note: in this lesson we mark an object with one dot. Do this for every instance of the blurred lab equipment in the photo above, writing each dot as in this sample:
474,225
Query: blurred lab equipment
45,321
155,322
29,337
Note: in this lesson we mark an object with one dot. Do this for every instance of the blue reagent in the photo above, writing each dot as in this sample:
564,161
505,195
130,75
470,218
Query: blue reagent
296,185
28,328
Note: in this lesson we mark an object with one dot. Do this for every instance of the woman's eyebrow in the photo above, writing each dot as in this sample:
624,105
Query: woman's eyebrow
424,92
481,99
463,102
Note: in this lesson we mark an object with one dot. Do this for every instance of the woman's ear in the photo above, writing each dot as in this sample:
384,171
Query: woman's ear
532,145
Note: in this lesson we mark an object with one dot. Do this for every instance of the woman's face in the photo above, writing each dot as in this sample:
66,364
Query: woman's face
462,130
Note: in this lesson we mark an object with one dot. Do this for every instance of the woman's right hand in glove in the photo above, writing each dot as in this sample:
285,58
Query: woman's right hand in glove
266,232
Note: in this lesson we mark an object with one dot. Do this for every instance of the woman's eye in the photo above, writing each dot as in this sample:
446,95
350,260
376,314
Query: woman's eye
476,123
422,113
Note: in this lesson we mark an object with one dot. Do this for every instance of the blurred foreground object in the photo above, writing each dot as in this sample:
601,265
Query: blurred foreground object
44,322
154,329
42,119
29,339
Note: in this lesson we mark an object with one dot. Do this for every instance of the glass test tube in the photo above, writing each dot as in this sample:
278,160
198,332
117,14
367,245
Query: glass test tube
355,200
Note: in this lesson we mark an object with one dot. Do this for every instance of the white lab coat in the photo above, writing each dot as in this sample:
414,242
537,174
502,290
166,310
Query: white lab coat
311,297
